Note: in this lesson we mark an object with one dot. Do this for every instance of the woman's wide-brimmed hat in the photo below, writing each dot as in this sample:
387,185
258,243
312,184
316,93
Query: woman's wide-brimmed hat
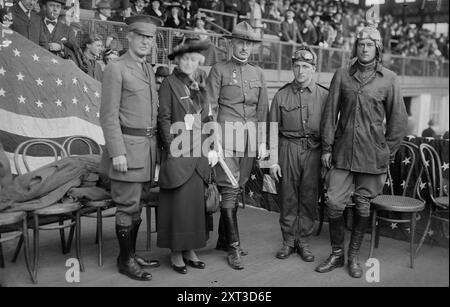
244,31
170,5
189,45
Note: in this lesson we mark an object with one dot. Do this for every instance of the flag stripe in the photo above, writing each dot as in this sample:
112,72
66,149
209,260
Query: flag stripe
48,128
33,162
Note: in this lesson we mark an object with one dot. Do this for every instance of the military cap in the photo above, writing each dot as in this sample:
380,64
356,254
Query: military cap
141,24
305,54
244,31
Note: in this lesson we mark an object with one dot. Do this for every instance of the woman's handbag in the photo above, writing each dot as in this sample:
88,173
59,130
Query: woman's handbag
212,196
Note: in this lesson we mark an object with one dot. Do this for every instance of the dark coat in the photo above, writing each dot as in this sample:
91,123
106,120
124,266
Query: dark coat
290,32
60,32
352,124
31,27
174,105
129,99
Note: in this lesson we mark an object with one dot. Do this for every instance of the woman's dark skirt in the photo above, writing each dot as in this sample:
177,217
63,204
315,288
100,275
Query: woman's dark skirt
181,216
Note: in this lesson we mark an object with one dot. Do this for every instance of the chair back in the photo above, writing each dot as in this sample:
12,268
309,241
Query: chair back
431,163
45,145
407,159
88,145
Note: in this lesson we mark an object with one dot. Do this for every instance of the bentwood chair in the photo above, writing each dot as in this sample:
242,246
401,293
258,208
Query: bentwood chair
61,212
437,201
15,224
150,201
385,205
76,145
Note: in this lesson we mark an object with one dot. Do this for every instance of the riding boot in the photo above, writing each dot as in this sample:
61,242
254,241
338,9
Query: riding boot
360,224
234,255
141,261
337,257
126,263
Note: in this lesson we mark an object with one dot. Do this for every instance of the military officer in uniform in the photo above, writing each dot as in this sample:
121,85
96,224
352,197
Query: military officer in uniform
356,146
297,108
128,116
237,94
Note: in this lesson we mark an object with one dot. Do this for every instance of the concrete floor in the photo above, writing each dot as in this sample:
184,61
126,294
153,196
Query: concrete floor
260,234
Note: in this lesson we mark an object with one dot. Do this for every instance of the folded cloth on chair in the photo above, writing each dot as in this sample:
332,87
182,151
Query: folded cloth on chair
89,193
47,184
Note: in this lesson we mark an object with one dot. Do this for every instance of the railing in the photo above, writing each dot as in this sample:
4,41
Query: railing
270,54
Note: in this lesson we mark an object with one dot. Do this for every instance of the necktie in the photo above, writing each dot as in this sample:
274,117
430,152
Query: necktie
144,68
49,22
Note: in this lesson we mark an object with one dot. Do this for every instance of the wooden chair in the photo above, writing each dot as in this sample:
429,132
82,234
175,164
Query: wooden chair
9,222
151,202
91,209
438,202
399,204
62,211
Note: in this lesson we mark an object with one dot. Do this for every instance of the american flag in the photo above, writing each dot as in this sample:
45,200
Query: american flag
43,96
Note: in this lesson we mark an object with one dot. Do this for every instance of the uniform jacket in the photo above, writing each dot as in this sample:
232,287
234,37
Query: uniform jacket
237,93
31,27
60,32
174,105
298,112
129,99
352,125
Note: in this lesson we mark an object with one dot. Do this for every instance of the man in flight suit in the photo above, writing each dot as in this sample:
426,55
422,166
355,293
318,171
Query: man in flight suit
297,108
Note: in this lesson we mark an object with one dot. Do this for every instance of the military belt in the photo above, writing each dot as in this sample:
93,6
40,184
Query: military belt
147,132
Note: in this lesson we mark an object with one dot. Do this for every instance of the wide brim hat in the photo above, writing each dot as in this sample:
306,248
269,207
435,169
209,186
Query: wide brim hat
188,46
141,24
244,31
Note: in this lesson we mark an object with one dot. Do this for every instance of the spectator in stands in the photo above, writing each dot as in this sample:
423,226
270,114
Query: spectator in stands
109,55
272,13
255,15
103,10
429,132
218,6
188,12
27,22
309,34
231,7
200,20
155,9
175,19
138,7
60,39
122,12
92,47
289,29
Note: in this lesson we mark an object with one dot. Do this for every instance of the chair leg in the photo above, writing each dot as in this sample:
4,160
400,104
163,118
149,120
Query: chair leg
26,249
412,235
17,251
70,239
2,259
148,214
36,246
100,236
78,239
425,232
62,236
372,237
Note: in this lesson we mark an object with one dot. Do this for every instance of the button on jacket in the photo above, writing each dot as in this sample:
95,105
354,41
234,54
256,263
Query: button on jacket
352,126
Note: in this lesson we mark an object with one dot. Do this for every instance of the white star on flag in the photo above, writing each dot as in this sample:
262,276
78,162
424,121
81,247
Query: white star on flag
16,52
87,108
54,61
422,185
445,166
2,92
20,76
74,100
97,94
394,226
39,81
85,89
2,71
427,163
430,232
253,177
74,80
39,104
250,193
407,161
58,82
35,57
21,99
403,184
58,102
408,230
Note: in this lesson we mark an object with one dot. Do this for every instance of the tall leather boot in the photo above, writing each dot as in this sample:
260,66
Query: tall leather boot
235,209
360,224
141,261
234,255
337,258
126,264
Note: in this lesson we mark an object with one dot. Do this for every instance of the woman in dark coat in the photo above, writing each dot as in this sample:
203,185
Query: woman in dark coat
184,173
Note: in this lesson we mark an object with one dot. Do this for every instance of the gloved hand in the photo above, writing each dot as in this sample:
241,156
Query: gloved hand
213,158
